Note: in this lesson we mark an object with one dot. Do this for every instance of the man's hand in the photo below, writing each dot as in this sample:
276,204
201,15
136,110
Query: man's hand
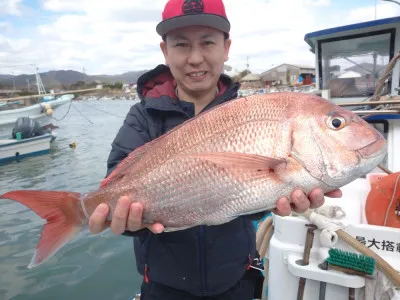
127,216
301,203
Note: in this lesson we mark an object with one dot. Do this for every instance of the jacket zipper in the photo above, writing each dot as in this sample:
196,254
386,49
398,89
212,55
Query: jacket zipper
203,271
146,266
249,244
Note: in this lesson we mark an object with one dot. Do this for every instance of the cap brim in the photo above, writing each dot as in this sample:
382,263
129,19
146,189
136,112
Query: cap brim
209,20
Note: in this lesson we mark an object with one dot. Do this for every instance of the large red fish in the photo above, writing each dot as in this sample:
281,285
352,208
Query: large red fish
238,158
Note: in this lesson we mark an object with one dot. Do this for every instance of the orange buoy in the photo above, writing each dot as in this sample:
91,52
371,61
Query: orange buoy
382,206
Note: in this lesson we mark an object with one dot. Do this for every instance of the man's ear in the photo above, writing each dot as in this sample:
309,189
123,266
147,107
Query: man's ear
163,46
227,47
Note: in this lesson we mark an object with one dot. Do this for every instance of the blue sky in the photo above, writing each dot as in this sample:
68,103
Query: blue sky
119,36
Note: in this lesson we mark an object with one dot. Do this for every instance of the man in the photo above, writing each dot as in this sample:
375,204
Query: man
201,262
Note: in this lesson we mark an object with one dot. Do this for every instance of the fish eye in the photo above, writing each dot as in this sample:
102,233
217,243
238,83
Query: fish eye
336,123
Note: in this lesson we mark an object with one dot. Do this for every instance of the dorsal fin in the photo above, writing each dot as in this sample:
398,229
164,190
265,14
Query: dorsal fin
128,161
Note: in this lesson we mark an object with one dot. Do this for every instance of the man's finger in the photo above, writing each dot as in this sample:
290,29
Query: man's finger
120,216
283,207
316,198
135,217
156,228
334,194
300,201
97,221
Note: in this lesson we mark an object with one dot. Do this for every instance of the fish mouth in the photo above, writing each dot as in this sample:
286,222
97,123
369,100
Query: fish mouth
374,149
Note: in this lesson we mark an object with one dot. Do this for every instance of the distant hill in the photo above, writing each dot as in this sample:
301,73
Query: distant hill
65,78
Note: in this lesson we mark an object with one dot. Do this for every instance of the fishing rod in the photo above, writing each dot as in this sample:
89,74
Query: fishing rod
378,112
395,101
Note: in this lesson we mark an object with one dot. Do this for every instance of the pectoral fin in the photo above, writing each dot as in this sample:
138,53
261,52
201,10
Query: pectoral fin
250,162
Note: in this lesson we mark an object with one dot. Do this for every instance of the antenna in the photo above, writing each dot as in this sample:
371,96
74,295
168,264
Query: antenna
247,65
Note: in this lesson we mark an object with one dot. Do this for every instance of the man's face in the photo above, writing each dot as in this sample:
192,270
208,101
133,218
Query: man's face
196,57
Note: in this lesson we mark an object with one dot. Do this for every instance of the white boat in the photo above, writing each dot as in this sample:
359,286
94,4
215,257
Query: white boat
360,51
38,112
16,150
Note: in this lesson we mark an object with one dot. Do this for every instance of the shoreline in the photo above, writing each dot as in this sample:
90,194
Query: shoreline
107,94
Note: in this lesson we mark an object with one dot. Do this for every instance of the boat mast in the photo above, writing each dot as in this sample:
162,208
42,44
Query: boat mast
39,83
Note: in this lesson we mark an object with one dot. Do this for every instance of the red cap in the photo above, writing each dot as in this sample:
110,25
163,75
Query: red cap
183,13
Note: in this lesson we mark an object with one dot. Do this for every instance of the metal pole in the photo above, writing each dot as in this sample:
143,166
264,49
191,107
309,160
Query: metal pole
13,81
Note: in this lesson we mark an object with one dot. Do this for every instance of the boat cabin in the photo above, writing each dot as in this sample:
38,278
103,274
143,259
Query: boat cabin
349,62
350,59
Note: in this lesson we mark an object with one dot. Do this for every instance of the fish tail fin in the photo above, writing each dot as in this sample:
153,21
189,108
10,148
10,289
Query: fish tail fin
63,213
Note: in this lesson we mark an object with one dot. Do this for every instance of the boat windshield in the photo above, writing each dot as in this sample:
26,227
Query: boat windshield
351,67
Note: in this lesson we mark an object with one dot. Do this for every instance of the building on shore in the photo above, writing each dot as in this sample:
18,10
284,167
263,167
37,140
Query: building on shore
289,74
252,81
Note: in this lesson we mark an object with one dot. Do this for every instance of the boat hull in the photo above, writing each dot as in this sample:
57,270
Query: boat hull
16,150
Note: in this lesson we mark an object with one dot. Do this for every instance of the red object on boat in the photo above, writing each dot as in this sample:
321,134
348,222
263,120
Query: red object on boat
382,206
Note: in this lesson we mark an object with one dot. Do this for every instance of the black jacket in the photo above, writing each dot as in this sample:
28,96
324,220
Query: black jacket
201,260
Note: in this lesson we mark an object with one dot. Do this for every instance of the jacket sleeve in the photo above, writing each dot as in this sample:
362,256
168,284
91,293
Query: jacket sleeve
132,134
256,216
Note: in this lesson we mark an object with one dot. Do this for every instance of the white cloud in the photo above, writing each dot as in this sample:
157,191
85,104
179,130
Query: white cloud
319,2
10,7
367,13
9,46
64,6
5,27
118,36
274,34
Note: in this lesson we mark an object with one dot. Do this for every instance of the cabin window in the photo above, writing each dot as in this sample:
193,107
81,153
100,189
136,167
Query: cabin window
351,66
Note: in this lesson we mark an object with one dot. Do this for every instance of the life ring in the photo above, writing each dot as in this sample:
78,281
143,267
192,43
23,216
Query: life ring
382,206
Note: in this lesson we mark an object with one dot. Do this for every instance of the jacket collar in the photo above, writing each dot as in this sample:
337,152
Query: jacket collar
156,90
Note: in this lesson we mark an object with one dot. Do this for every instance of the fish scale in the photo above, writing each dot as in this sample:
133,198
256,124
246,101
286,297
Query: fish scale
235,159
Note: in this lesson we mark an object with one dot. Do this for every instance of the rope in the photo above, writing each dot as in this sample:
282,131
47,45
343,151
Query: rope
102,110
391,200
69,107
263,237
261,231
83,115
